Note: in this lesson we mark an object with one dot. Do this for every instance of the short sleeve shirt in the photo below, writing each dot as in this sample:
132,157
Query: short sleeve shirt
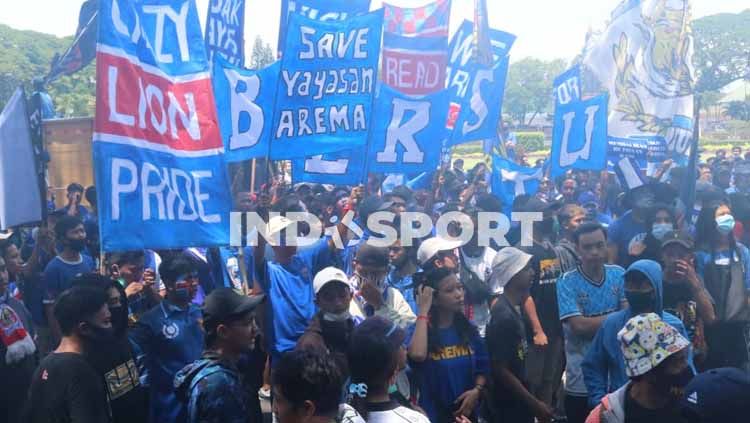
578,295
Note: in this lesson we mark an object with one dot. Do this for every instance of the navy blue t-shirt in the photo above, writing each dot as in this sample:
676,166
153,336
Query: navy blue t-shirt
623,232
59,274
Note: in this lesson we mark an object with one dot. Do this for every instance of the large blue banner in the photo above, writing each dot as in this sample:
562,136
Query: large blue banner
340,168
476,91
158,157
245,104
579,137
326,87
407,132
320,10
225,30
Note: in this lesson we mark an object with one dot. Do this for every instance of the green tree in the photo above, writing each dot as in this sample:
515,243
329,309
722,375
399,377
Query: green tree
528,91
738,110
262,54
722,49
27,55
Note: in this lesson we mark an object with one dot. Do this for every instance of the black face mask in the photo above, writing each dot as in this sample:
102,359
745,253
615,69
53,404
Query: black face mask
640,301
98,334
674,384
119,319
547,226
77,245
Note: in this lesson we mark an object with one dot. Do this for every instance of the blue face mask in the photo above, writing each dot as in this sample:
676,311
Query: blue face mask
725,224
660,229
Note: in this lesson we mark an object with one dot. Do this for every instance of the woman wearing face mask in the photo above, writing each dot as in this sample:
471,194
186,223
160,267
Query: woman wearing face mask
446,350
660,221
109,353
724,266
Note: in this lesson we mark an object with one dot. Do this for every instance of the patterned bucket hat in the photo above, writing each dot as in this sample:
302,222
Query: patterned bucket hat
646,341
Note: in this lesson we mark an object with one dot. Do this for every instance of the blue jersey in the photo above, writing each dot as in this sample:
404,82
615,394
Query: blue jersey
59,274
578,295
213,391
166,339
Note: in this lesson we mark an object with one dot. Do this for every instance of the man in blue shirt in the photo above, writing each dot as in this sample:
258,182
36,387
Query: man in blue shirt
287,281
403,266
74,207
585,296
168,337
212,387
630,227
61,270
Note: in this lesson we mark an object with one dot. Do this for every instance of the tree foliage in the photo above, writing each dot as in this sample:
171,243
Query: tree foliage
27,55
722,49
528,91
262,54
738,110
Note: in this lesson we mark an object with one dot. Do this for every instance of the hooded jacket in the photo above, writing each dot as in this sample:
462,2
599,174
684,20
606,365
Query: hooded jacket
611,409
604,365
212,391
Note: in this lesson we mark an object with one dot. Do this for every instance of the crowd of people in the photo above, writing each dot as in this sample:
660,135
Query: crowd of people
627,306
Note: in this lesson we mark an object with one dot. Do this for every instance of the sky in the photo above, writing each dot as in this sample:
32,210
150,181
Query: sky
546,29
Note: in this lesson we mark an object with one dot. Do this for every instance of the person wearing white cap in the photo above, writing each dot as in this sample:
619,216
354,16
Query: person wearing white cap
438,252
330,329
511,400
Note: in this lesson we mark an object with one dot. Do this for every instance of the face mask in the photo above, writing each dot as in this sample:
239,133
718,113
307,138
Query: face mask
119,318
77,244
660,229
336,317
99,334
640,301
725,224
675,384
182,295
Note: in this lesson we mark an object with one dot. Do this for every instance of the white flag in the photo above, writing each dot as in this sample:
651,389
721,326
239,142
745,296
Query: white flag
643,59
20,200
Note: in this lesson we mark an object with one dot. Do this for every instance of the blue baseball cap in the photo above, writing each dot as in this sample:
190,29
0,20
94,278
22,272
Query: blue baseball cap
719,395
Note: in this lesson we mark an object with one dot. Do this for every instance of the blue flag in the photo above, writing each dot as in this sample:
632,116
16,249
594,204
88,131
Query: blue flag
320,10
407,132
326,87
340,168
244,102
225,30
481,113
476,91
567,86
579,137
158,156
509,180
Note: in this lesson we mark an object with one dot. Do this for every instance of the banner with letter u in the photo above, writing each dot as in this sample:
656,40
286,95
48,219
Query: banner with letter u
579,136
157,149
326,86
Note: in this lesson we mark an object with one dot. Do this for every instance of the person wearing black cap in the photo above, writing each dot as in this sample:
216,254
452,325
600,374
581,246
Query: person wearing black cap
717,396
212,387
373,296
685,294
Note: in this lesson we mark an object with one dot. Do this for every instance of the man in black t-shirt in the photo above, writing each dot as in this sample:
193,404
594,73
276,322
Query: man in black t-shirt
546,356
506,341
65,387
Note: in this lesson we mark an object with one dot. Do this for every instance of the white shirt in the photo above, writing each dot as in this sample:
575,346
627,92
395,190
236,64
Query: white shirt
482,267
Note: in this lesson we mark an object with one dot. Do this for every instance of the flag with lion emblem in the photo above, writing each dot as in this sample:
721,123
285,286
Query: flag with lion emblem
643,59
